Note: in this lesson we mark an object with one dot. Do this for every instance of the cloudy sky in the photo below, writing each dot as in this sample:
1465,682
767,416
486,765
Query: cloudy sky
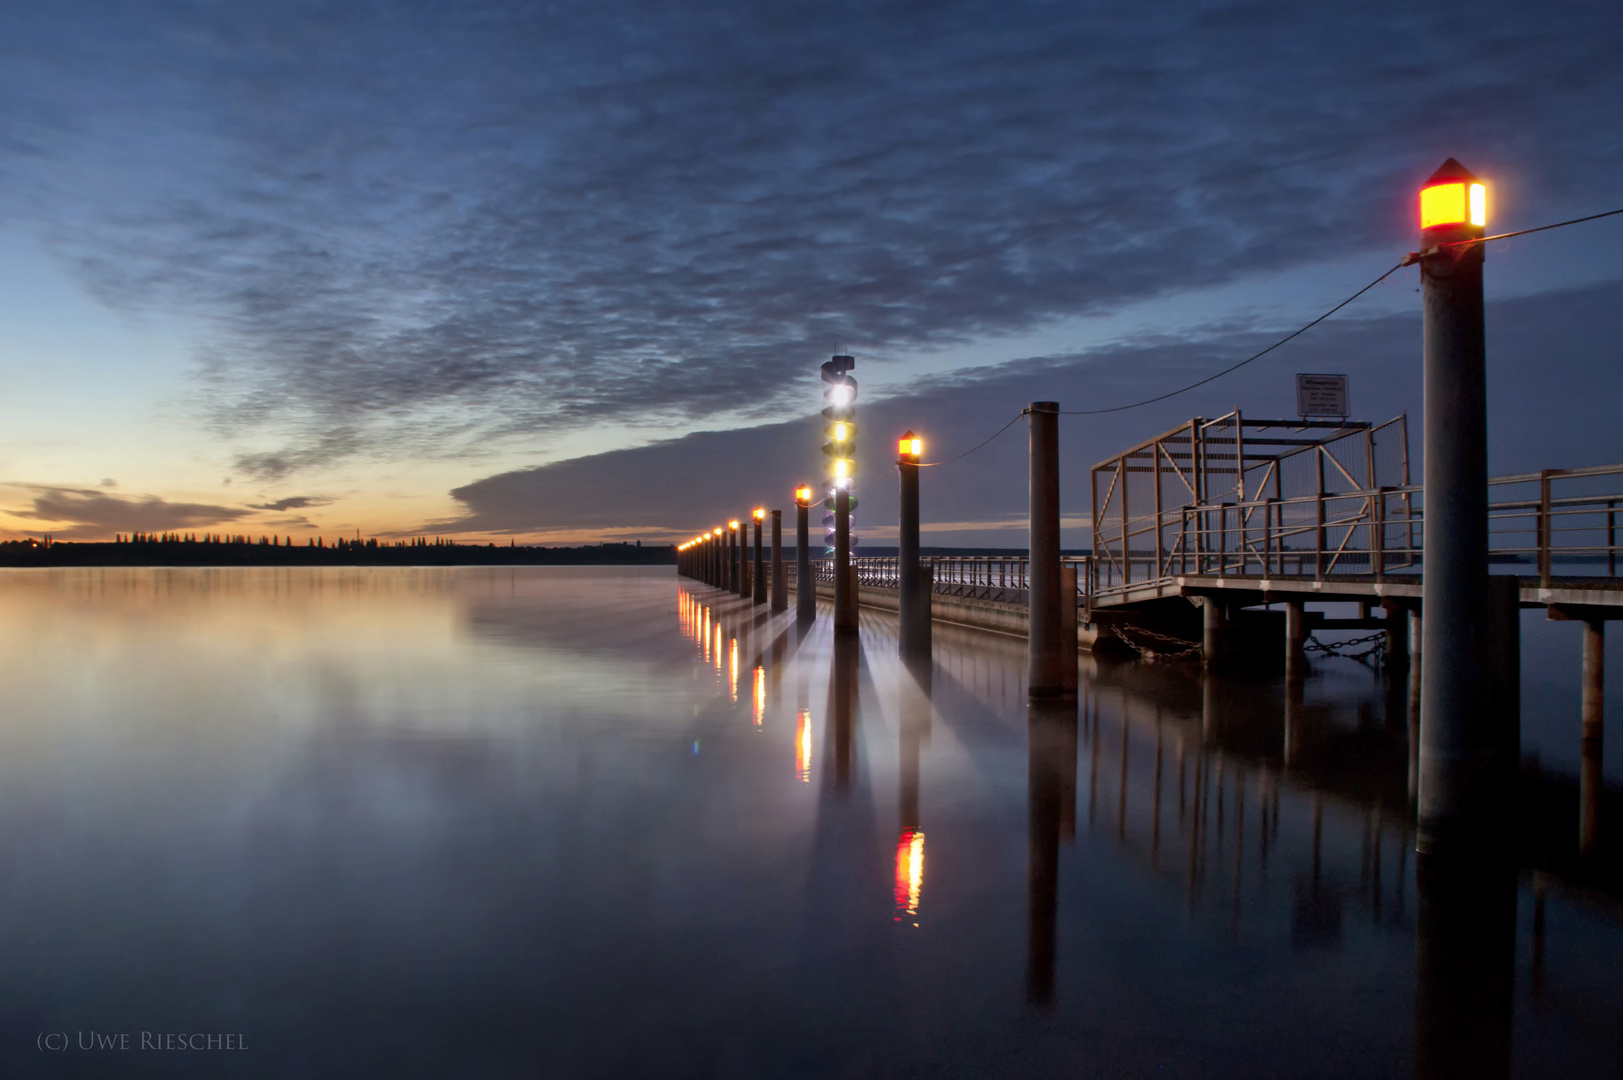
562,271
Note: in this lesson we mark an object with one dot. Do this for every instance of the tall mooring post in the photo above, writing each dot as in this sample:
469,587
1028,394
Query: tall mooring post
1468,727
913,613
1044,674
845,593
780,587
805,587
758,585
731,537
743,530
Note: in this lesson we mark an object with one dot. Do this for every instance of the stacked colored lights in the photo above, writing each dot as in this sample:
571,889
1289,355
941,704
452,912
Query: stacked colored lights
839,452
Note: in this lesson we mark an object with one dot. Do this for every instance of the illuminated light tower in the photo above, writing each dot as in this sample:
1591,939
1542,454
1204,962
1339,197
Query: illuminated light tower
841,468
1468,731
840,428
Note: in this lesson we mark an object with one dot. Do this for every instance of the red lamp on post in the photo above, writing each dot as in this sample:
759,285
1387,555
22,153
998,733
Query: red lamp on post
1469,728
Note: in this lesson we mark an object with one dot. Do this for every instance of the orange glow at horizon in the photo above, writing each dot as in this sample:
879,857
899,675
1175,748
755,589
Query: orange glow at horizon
803,746
909,873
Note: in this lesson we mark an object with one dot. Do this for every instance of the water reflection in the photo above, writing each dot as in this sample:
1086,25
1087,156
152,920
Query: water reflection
1465,963
1051,770
449,803
803,745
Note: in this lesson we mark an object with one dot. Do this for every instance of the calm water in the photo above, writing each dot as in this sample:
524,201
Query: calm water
560,822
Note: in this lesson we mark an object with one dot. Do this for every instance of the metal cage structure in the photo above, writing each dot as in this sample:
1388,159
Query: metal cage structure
1233,495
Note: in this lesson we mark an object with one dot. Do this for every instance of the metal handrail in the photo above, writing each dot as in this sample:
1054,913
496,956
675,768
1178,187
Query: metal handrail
1366,532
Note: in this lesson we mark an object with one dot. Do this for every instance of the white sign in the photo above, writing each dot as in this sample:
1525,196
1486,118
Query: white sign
1322,395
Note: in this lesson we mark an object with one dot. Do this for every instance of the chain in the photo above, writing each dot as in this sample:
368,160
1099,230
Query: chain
1188,648
1376,643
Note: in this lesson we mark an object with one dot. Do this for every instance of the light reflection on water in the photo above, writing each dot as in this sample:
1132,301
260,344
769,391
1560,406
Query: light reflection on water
491,821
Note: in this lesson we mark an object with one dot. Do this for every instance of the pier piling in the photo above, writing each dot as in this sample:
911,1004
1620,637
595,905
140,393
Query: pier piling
1044,677
780,587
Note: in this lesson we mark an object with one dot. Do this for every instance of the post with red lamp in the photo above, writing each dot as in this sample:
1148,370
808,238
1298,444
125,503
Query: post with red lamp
913,603
805,587
758,577
1469,727
740,580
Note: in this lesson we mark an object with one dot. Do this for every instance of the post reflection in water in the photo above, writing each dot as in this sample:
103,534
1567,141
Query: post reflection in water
914,728
343,818
1465,964
1289,804
842,702
1051,778
909,874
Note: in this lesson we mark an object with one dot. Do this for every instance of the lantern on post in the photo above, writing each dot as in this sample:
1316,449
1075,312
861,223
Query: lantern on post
1469,727
805,587
913,604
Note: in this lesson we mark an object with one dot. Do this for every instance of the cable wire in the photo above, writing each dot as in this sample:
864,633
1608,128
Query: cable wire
1541,228
966,453
1242,363
1408,260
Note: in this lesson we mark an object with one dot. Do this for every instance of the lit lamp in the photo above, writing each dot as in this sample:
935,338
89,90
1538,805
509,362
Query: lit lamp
910,447
1467,743
803,496
758,513
1453,206
733,524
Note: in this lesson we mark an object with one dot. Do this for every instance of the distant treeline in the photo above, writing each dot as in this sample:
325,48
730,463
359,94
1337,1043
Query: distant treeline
209,549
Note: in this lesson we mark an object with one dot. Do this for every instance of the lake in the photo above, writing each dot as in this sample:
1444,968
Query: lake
560,822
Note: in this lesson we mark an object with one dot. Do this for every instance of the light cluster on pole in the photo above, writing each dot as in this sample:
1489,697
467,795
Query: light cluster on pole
840,428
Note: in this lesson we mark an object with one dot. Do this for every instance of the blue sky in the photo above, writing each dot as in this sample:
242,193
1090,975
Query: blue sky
486,269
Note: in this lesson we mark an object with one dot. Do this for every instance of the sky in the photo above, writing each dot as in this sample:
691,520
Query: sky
564,272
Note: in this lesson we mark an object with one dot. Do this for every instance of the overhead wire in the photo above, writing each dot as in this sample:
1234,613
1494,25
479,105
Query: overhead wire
1541,228
1408,260
1236,367
977,446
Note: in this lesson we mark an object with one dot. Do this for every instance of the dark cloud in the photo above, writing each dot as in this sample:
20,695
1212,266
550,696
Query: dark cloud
95,515
294,502
1543,353
417,226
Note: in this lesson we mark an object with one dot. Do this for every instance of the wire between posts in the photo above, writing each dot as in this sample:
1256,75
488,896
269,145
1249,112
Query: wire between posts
1524,232
1408,260
1236,367
966,453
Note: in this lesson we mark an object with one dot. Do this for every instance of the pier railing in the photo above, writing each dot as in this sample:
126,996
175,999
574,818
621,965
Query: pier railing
996,578
1561,521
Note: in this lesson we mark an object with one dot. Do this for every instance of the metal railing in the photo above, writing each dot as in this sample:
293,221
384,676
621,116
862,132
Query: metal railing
1564,522
1567,521
997,578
